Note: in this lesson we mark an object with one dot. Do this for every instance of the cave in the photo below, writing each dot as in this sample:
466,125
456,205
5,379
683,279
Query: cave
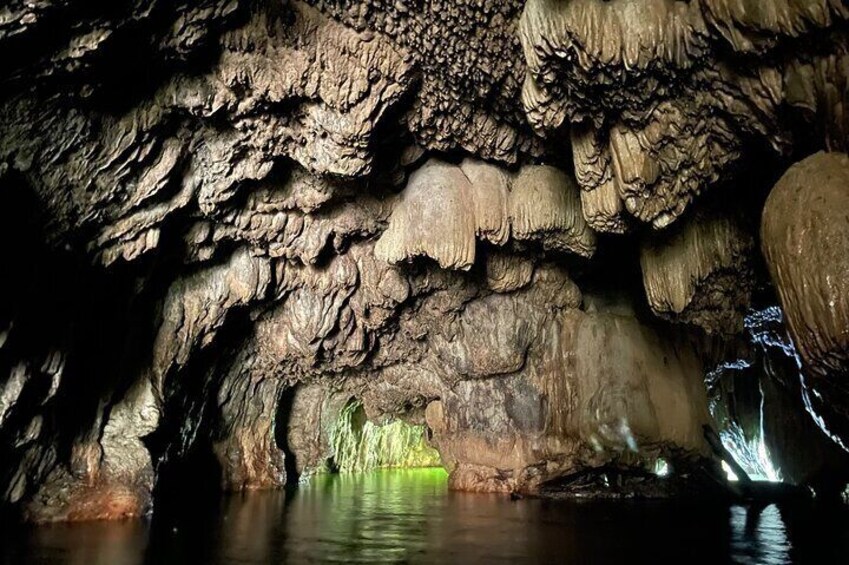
424,280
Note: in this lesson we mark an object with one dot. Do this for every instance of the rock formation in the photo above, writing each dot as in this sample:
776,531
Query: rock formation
701,272
442,210
805,234
667,97
229,225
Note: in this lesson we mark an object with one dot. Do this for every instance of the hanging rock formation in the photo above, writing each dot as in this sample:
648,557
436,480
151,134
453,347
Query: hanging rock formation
225,225
805,233
667,97
701,273
442,210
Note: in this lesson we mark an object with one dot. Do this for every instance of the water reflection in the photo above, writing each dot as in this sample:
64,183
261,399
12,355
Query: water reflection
759,535
409,516
92,543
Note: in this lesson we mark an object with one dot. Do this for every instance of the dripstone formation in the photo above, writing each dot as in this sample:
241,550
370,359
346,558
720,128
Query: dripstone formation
544,231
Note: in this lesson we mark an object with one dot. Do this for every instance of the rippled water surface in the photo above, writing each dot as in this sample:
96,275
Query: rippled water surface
409,516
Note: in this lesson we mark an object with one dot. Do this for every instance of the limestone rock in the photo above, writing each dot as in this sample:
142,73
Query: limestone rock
604,387
246,443
805,239
701,273
223,224
664,94
195,308
441,211
111,478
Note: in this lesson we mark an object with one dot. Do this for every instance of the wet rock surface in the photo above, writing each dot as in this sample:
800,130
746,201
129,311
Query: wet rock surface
670,96
805,232
224,222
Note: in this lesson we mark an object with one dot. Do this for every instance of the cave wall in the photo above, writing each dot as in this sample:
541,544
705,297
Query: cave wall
530,226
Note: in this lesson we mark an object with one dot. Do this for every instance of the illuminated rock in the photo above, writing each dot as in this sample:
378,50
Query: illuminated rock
805,239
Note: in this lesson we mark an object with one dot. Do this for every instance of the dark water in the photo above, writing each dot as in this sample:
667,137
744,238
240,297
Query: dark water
409,516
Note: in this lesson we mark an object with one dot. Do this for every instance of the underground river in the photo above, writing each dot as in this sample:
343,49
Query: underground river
409,516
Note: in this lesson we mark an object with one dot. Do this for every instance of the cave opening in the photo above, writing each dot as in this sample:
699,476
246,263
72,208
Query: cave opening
359,445
343,439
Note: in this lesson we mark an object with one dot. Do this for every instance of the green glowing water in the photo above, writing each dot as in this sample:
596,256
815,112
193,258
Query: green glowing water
360,445
410,516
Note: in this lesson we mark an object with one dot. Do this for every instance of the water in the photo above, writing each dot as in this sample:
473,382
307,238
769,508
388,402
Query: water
410,516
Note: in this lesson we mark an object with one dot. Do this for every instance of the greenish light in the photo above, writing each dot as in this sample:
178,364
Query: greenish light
360,445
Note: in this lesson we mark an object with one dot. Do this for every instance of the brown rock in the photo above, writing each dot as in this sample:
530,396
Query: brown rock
805,239
700,273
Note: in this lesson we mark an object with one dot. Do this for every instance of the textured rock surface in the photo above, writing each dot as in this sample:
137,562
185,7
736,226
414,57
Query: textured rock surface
700,273
805,235
666,94
470,65
605,390
442,210
224,220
